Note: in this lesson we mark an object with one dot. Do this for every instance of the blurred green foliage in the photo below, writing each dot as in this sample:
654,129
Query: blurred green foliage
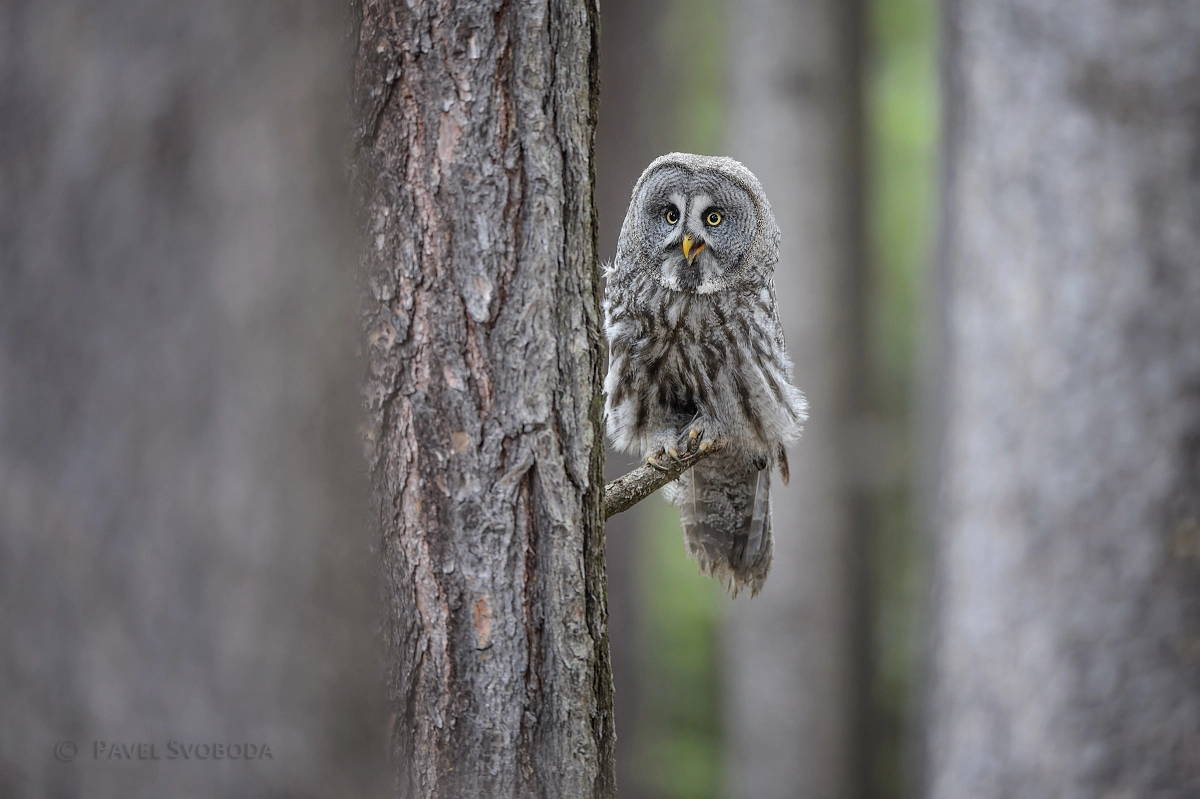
681,720
680,733
681,682
692,40
901,144
902,124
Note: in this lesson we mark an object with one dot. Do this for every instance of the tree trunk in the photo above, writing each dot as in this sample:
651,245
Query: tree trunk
1067,639
486,357
183,560
796,654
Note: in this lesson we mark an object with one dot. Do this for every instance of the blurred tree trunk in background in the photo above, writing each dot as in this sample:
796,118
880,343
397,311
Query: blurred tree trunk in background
1067,637
796,655
625,144
182,553
486,356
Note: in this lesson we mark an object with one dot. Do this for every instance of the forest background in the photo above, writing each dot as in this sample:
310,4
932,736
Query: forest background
666,84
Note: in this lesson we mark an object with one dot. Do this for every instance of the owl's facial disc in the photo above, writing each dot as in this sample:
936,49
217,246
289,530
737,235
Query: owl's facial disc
698,225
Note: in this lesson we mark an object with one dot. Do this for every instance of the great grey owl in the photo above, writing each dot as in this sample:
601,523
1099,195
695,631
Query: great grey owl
697,357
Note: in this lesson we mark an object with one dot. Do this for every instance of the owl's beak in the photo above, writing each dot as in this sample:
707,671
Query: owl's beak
691,248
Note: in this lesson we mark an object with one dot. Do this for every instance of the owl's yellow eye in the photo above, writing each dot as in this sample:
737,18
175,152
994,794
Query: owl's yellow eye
713,219
672,216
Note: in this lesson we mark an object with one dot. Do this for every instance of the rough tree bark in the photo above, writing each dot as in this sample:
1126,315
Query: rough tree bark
486,357
1067,638
795,655
182,550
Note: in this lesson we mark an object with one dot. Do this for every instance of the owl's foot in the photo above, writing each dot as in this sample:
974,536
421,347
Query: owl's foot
664,453
703,435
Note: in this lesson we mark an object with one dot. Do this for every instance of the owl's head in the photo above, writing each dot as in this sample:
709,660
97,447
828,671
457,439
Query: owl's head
702,222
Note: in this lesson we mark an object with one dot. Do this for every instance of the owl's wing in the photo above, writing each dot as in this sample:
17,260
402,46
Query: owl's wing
760,517
725,509
775,316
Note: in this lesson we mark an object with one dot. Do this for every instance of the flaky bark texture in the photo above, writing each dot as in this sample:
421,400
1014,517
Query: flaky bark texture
794,653
1067,657
485,435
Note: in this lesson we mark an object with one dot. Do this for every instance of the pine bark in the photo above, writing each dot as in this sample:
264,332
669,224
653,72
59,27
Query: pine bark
485,358
1067,637
796,653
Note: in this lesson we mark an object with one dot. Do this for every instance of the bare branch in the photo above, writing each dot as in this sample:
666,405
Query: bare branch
630,489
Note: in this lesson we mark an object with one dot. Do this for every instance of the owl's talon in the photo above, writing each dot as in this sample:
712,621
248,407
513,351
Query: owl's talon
701,437
657,461
664,450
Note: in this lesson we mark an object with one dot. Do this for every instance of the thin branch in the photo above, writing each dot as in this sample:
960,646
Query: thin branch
630,489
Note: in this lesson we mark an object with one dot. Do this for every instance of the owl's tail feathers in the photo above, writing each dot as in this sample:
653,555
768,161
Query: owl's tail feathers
726,513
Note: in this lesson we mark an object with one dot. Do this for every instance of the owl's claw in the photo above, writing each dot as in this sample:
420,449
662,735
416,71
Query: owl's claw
664,453
702,437
658,460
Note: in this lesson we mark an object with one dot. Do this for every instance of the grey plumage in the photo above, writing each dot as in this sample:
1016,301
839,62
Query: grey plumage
697,354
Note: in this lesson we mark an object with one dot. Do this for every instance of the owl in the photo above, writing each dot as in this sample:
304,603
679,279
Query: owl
697,358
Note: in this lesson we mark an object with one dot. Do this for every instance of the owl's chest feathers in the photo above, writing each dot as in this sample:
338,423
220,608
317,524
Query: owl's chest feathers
690,350
691,336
